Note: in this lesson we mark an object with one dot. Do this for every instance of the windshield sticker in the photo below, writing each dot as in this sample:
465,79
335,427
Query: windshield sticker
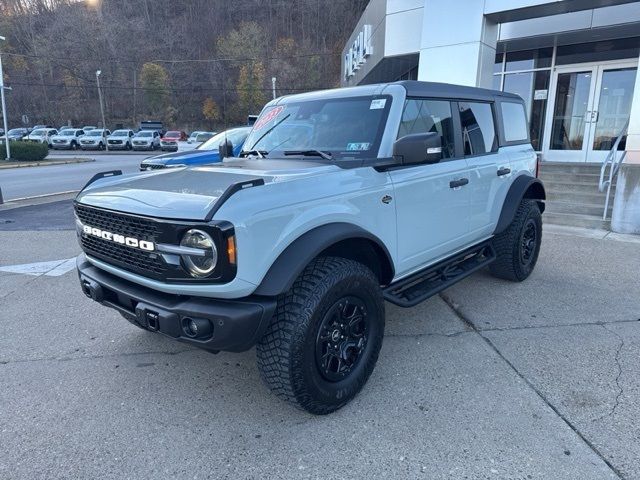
268,117
378,104
358,147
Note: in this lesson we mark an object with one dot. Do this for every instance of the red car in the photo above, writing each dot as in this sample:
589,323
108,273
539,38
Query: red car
169,142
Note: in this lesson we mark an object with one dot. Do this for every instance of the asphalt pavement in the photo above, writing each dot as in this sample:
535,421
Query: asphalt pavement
491,379
28,182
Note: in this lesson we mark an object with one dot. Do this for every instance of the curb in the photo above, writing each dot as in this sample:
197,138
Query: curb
37,200
46,164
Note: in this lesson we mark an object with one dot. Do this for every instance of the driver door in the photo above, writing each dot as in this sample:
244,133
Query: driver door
432,200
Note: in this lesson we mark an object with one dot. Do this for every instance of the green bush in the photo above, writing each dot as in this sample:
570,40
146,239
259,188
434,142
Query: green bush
25,152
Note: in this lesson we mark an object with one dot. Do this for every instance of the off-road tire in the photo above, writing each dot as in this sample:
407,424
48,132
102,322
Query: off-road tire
509,245
287,352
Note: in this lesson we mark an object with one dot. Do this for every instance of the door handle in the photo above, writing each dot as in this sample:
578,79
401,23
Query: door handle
503,171
458,183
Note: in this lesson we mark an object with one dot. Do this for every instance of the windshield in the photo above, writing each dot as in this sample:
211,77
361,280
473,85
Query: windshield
144,134
67,133
236,136
172,134
120,133
345,128
37,133
16,130
94,133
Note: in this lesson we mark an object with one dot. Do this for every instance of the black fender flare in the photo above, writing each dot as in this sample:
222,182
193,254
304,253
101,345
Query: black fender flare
293,259
523,186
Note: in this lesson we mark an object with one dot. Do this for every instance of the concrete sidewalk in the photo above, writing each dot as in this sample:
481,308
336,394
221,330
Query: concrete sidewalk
489,380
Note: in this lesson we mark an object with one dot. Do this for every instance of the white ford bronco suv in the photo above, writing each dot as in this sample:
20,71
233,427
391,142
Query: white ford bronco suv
340,200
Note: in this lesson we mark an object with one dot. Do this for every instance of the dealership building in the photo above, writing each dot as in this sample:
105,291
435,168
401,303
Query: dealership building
574,62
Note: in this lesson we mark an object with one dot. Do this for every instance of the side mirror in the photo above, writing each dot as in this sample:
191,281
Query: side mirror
225,149
418,148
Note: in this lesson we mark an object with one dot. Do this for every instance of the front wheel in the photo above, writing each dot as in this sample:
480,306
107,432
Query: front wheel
518,247
324,339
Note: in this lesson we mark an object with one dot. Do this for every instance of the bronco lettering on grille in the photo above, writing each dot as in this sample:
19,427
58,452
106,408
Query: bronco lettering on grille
121,239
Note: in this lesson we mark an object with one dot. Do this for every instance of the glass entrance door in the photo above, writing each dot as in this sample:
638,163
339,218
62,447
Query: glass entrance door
591,105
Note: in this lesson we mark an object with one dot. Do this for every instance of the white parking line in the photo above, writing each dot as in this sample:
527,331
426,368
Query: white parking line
53,268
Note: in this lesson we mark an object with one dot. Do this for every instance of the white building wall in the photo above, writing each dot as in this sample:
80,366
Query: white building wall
458,43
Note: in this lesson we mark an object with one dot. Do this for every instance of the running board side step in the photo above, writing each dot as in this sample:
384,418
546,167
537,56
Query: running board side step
421,285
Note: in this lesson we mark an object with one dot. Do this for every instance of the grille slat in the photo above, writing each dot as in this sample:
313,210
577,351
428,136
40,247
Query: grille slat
129,258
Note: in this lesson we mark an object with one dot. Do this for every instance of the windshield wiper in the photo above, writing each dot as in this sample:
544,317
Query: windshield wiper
268,131
259,153
310,153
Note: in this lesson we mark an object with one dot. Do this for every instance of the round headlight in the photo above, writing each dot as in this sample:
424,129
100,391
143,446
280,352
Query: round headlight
200,265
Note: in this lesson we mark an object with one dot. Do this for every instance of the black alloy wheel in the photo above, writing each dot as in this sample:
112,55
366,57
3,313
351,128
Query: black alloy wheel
342,337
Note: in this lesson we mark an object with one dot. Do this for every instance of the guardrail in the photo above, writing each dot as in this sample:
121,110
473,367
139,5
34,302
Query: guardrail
614,163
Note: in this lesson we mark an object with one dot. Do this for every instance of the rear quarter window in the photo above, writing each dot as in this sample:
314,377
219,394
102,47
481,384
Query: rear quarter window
514,119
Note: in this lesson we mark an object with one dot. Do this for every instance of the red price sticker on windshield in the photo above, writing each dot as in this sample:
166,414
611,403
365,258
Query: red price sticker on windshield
268,117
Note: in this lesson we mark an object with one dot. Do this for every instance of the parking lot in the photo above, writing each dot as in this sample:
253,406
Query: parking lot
488,380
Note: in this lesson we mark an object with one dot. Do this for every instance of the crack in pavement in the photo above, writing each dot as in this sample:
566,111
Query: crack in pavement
561,325
92,357
456,310
617,380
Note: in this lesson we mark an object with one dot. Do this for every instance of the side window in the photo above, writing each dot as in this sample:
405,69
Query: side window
478,129
515,122
423,116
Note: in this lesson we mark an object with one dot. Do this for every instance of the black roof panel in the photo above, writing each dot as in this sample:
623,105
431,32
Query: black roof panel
446,90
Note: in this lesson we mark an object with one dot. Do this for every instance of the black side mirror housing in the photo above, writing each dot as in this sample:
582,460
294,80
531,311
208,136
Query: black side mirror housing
418,148
225,149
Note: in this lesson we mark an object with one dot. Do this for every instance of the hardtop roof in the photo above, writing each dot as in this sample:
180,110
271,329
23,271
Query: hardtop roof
413,88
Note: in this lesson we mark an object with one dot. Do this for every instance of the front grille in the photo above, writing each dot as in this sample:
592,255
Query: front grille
115,142
133,259
152,166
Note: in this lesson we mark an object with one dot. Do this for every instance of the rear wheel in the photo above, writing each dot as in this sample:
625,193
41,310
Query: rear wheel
518,247
324,339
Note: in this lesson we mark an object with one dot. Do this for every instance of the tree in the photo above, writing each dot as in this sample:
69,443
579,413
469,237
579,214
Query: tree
210,110
251,95
155,82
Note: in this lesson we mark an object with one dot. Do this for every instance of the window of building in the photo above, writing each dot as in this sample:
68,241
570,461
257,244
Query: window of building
423,116
515,121
598,51
478,129
529,59
533,87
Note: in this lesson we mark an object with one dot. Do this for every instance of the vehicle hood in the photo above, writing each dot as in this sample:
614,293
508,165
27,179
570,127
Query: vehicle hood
190,193
176,158
61,137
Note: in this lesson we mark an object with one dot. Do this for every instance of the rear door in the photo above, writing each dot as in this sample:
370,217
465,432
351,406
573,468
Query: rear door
488,168
432,210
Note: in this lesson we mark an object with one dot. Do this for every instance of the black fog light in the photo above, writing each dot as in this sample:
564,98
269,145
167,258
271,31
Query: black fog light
196,327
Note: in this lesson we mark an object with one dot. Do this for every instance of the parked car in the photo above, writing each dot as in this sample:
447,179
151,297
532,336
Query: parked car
66,127
169,140
88,128
120,140
400,191
67,139
153,125
194,135
38,127
205,153
201,138
15,134
94,139
41,135
146,140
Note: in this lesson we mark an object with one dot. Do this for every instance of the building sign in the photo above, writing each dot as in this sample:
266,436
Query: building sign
358,53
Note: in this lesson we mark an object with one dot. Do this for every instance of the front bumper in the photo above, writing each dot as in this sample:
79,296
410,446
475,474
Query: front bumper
90,146
61,146
143,147
236,325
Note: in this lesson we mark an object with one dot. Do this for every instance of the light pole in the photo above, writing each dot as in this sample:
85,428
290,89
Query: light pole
104,125
273,87
4,109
